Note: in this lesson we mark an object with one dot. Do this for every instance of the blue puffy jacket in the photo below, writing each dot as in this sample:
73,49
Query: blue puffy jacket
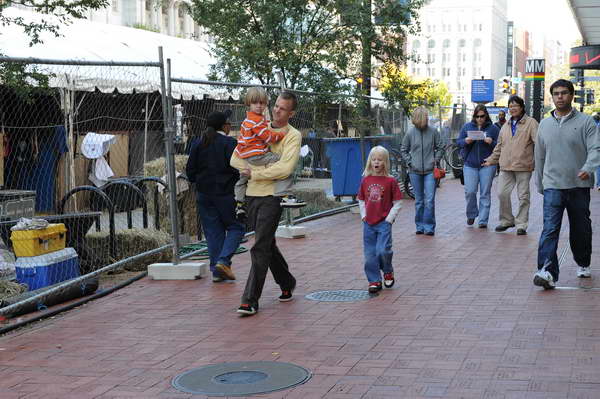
474,154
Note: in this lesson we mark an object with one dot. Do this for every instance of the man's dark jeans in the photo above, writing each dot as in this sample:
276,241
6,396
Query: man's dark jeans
577,203
263,217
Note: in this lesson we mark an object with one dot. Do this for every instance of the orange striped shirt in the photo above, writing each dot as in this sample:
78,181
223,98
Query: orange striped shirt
255,136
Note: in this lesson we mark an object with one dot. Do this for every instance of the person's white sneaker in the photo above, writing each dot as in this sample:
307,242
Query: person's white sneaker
584,272
544,279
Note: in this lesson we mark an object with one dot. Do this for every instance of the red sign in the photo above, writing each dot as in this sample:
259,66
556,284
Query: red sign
585,57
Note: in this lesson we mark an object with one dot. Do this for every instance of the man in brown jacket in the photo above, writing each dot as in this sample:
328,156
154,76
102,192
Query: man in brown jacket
514,152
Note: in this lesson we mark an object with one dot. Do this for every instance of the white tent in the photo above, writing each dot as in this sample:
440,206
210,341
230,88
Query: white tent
89,41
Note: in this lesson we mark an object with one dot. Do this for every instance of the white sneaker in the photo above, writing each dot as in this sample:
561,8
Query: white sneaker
544,279
290,201
584,272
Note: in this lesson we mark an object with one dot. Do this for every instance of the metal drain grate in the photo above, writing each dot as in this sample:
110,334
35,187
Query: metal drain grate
241,378
339,296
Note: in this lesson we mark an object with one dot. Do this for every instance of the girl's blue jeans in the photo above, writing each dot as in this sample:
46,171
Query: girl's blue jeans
377,241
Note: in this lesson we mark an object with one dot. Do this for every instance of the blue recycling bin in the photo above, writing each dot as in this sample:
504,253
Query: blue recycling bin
346,162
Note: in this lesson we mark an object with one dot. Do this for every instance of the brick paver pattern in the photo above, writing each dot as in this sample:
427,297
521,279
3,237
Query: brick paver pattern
462,321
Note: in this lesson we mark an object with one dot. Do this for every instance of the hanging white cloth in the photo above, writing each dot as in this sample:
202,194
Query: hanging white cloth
95,146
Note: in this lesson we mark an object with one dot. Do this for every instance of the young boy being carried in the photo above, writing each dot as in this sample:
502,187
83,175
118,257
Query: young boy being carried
253,143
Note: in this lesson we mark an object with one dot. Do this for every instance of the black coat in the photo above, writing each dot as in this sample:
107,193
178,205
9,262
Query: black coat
208,167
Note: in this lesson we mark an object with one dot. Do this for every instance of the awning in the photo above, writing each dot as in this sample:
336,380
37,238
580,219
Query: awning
89,41
587,17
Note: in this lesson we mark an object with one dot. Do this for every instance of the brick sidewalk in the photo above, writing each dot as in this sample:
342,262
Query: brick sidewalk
463,321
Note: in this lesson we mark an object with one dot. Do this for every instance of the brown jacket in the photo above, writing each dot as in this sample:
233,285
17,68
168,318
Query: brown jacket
515,153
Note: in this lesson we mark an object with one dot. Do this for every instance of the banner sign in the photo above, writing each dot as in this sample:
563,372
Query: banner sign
585,57
535,73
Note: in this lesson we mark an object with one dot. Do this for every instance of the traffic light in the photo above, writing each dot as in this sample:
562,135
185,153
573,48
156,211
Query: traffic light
576,76
504,85
580,96
590,98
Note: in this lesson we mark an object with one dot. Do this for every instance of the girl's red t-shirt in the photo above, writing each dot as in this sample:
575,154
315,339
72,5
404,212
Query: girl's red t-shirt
378,193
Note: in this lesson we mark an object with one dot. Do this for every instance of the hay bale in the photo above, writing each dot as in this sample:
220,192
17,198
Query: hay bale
316,201
186,201
130,242
9,289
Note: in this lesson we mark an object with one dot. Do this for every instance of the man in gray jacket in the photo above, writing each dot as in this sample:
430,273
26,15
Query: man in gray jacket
567,153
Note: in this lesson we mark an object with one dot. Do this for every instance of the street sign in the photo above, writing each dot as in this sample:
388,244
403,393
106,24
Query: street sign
535,73
482,90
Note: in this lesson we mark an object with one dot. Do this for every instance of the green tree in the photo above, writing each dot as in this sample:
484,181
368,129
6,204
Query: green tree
317,44
403,90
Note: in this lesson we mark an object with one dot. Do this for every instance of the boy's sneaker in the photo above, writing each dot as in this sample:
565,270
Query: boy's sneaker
217,279
289,201
544,279
388,280
374,287
225,271
247,310
584,272
240,210
286,295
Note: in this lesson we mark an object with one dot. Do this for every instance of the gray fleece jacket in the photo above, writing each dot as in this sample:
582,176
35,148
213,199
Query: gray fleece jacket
563,148
421,150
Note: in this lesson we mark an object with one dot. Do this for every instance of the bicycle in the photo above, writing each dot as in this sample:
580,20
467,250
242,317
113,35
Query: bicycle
400,172
453,157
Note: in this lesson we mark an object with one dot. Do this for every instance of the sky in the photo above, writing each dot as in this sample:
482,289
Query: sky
551,17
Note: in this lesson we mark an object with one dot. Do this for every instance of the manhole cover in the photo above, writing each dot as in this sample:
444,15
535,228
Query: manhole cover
241,378
339,296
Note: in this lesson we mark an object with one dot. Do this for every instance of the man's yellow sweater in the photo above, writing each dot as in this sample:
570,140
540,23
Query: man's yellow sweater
264,179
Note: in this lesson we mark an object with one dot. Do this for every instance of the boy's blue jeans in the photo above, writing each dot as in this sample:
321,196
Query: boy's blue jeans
482,178
377,240
577,203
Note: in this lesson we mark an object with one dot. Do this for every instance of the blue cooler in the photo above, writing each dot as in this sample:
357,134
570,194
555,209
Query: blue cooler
44,270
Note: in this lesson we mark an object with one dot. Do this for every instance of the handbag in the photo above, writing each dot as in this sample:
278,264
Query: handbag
438,173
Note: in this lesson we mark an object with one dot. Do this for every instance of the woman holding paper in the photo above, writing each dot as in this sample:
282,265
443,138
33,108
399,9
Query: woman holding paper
477,140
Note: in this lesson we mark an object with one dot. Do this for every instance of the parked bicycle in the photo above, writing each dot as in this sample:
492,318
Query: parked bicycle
399,171
453,158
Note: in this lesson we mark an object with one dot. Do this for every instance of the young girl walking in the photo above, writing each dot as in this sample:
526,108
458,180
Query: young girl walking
379,199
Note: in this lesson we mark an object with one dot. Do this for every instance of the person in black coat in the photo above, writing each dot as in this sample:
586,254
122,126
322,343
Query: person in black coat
208,168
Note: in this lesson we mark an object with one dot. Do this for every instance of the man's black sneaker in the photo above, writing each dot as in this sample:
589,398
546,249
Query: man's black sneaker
470,221
286,295
247,310
500,228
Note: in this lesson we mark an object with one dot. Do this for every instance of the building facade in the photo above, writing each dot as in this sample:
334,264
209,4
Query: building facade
460,40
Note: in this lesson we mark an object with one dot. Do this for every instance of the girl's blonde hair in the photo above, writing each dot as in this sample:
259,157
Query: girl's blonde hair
420,118
256,95
386,161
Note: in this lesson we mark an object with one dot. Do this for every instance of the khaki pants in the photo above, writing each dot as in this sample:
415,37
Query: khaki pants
506,184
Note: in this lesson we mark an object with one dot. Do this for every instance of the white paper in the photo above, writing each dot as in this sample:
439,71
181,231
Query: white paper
304,150
476,134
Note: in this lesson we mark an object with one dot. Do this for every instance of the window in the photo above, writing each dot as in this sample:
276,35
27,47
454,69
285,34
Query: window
465,27
446,43
464,57
432,71
462,43
431,43
115,5
416,44
480,27
148,5
477,43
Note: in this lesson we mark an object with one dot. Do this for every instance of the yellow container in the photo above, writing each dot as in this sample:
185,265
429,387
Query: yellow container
40,241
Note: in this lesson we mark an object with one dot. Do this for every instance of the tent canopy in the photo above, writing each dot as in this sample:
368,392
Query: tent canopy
89,41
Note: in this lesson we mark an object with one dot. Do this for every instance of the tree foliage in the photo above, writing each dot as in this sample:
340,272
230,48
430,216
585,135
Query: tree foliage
316,44
403,90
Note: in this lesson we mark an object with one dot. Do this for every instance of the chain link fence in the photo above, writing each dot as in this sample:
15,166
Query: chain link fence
82,175
92,154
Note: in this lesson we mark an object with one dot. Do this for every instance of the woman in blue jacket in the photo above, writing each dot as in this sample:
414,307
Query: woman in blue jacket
474,153
208,167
